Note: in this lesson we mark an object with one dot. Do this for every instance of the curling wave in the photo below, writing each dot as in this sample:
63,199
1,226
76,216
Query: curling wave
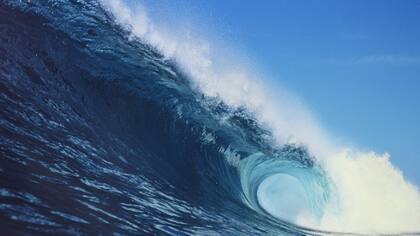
108,124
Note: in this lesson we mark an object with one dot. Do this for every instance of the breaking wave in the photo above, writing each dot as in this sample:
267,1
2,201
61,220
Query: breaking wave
110,122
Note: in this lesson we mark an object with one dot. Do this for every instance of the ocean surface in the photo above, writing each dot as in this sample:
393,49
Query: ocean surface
102,134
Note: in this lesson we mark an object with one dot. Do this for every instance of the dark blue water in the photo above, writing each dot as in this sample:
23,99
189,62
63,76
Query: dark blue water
100,134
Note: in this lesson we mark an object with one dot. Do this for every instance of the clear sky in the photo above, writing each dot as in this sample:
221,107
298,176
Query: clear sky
355,64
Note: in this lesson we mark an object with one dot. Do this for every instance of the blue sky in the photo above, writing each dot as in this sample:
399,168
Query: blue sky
355,64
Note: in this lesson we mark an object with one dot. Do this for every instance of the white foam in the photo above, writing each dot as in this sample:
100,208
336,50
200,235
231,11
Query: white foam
372,194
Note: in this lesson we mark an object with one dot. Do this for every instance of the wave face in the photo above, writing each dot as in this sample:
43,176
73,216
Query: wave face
102,133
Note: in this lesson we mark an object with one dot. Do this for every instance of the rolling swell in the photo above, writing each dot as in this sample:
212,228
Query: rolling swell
100,134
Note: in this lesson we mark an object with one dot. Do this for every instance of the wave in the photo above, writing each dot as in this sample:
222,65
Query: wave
112,123
360,201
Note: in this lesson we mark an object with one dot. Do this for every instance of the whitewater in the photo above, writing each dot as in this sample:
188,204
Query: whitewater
114,123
